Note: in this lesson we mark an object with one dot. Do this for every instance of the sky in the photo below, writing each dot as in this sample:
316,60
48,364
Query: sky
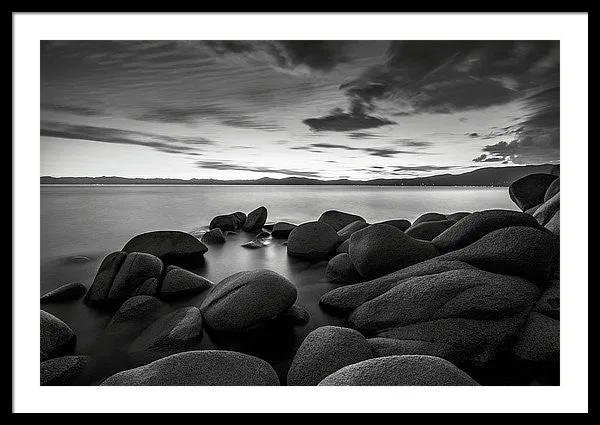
320,109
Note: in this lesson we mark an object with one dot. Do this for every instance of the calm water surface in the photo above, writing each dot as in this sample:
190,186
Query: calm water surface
92,221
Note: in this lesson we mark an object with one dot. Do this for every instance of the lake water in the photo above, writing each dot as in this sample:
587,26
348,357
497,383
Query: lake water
80,225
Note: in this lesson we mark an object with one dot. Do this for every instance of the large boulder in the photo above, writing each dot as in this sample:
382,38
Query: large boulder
413,370
98,292
457,216
520,251
474,226
213,237
207,367
383,347
338,219
529,191
381,249
539,339
67,292
62,370
552,190
547,210
429,217
247,299
281,230
346,298
172,247
343,247
137,268
340,270
312,241
227,222
428,230
325,350
400,224
56,337
178,281
135,314
255,220
175,331
149,287
345,232
549,302
554,223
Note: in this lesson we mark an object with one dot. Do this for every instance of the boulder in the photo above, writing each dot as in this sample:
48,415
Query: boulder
172,247
247,299
549,302
554,223
415,370
347,231
547,210
240,219
346,298
552,190
296,315
381,249
137,268
343,247
253,244
529,191
62,370
312,241
255,220
479,224
429,217
340,270
383,347
206,367
428,230
227,222
98,292
67,292
539,339
281,230
149,287
178,281
338,219
135,314
457,216
262,236
324,351
521,251
532,210
213,237
400,224
175,331
56,337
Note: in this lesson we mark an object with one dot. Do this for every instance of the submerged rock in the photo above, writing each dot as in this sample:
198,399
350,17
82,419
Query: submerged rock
172,247
253,244
247,299
56,337
62,370
400,370
324,351
338,219
312,241
213,237
67,292
206,367
281,229
381,249
530,190
255,220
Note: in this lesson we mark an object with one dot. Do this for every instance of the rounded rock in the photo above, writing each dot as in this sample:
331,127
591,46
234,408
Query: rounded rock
340,270
172,247
428,230
213,237
56,337
255,220
338,219
312,241
68,292
530,190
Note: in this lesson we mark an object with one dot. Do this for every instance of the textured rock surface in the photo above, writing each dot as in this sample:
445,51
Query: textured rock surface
428,230
345,232
554,224
68,292
400,224
552,190
343,247
62,370
400,370
98,292
530,190
207,367
172,247
383,347
340,270
547,210
56,337
312,241
539,339
296,315
213,237
178,281
429,217
228,222
338,219
137,268
325,350
247,299
255,220
281,230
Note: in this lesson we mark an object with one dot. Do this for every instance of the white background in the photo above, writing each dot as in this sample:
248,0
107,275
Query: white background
570,29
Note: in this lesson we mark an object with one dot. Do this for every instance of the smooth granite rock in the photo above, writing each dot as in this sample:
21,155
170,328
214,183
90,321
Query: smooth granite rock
338,219
554,223
539,339
137,268
296,315
206,367
281,230
255,220
149,287
547,210
312,241
172,247
98,292
400,224
474,226
381,249
345,232
247,299
413,370
457,216
340,270
135,314
67,292
213,237
56,337
343,247
428,230
227,222
530,190
429,217
180,282
325,350
62,370
552,190
383,347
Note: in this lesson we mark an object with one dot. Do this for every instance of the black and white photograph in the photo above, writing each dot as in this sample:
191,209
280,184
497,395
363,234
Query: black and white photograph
304,212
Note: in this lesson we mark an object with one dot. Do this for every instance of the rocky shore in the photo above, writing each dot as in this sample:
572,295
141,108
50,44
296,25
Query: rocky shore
457,298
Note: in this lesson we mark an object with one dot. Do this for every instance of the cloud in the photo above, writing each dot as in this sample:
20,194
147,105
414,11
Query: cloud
419,144
191,114
381,152
167,144
341,121
425,168
84,111
363,135
228,166
484,158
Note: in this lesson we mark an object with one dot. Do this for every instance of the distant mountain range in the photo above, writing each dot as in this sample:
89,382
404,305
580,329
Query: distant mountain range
490,176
